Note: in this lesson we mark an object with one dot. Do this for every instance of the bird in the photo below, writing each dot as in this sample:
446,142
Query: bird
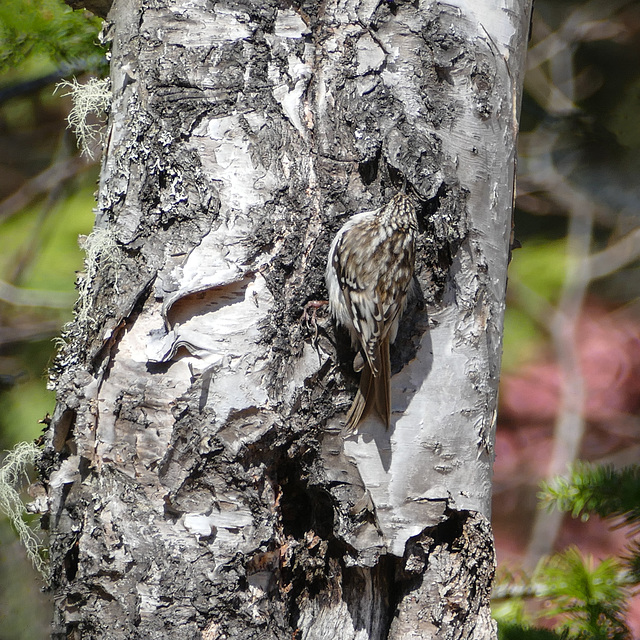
369,271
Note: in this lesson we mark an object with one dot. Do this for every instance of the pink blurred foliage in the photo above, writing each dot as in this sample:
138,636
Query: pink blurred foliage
609,348
608,343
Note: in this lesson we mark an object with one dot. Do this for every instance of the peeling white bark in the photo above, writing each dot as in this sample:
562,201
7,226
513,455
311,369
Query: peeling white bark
198,472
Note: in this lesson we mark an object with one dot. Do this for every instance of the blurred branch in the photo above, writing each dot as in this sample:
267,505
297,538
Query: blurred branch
553,54
31,248
570,427
618,255
35,297
43,183
587,22
29,332
556,92
623,458
96,63
541,195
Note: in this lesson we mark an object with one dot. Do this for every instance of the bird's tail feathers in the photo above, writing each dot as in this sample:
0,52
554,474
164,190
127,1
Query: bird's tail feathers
364,400
382,384
374,391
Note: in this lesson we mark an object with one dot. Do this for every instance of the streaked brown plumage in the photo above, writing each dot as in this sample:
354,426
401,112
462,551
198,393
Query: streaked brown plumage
369,270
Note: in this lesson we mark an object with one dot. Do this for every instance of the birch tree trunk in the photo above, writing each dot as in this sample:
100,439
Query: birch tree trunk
200,481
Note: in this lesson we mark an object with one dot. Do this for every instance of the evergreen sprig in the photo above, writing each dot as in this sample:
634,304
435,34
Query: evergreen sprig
597,489
46,27
511,631
632,561
586,599
590,597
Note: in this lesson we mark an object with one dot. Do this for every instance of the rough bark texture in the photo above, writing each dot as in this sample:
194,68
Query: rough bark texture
200,482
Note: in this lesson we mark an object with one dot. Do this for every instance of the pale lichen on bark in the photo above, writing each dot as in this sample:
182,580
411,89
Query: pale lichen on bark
200,482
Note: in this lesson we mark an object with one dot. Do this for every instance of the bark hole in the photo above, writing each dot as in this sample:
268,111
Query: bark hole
71,561
369,169
375,612
303,508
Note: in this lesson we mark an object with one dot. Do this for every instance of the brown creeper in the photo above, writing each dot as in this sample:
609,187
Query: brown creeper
369,270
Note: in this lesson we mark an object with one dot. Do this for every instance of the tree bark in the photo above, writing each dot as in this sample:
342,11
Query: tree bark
201,484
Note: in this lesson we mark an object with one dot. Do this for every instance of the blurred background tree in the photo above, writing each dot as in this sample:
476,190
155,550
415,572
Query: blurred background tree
46,200
571,370
571,375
